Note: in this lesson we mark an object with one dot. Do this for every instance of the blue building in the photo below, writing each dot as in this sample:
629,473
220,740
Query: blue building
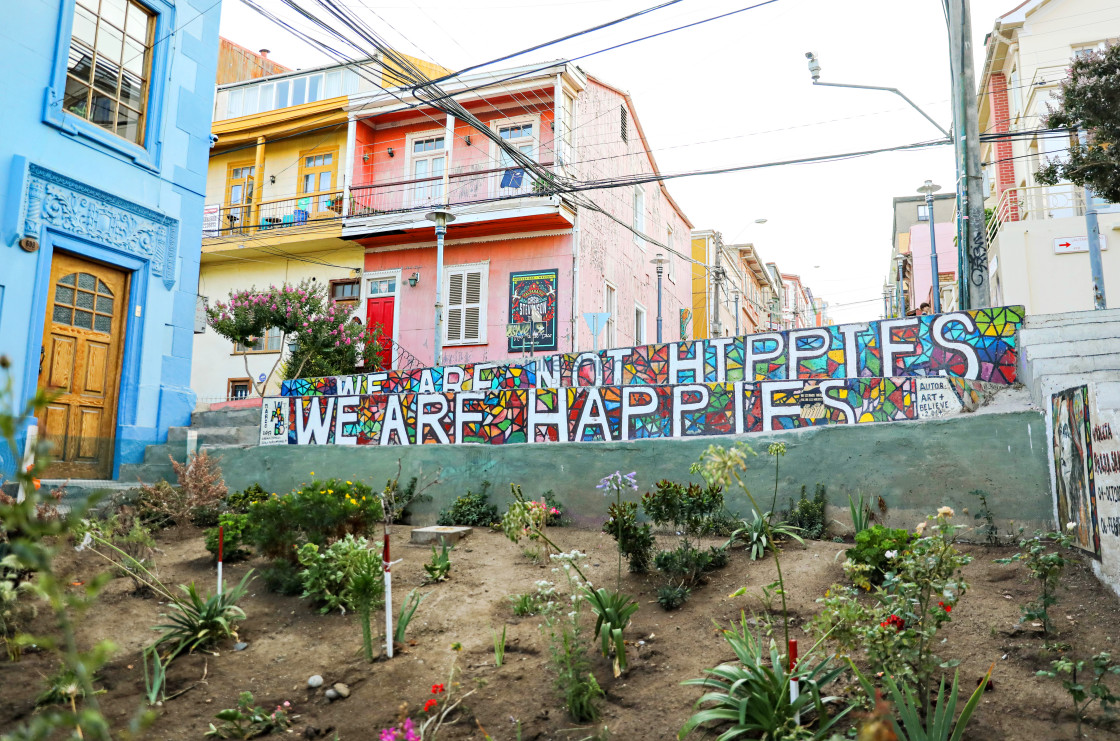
106,133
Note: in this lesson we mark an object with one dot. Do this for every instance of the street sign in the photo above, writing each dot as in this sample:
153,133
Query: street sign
1069,245
596,320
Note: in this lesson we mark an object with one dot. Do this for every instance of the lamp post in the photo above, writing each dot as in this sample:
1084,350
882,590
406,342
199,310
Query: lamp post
929,189
441,218
735,295
659,260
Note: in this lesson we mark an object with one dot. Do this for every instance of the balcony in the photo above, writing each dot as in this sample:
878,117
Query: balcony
484,201
272,217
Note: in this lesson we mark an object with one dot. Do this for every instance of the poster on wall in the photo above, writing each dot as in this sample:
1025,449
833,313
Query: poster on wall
1073,466
532,302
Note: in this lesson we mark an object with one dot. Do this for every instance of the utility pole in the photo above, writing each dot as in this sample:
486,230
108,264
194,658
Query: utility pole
716,329
975,251
1093,231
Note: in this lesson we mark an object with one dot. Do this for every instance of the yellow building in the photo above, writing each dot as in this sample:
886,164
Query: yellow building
280,163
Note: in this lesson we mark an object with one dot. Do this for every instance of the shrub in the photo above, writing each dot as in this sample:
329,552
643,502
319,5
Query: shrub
472,509
555,519
239,501
1046,566
440,566
327,574
319,513
897,628
16,614
635,541
249,721
689,509
808,514
684,564
672,596
875,549
200,622
234,529
200,480
283,577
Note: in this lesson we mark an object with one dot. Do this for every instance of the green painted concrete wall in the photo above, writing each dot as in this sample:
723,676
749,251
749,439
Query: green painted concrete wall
915,467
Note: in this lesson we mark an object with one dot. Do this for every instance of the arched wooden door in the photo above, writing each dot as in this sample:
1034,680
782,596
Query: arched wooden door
83,337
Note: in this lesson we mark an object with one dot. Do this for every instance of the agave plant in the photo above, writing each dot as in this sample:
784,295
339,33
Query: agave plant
752,698
758,534
201,621
612,614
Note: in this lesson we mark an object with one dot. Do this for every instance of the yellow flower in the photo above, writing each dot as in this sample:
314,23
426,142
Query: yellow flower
349,483
312,473
363,499
921,528
330,491
945,512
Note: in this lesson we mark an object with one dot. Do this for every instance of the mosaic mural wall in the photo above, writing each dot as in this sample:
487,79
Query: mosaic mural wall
977,345
616,413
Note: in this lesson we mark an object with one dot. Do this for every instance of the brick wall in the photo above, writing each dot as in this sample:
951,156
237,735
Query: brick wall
1005,166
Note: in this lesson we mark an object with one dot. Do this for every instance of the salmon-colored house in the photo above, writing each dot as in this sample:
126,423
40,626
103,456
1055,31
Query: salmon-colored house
522,264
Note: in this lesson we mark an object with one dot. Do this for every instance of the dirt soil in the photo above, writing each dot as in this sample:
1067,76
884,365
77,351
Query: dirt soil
288,642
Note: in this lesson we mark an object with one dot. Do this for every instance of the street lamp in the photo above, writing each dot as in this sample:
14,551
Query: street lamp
735,295
659,260
929,189
441,218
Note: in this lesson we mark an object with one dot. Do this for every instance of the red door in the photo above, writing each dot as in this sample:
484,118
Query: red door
379,312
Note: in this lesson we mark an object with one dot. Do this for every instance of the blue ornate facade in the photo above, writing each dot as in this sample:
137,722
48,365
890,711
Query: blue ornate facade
123,192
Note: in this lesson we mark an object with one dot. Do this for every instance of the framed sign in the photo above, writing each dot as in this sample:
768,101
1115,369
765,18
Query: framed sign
532,301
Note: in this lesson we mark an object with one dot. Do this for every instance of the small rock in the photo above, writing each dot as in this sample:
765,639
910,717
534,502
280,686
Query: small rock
342,689
331,695
240,646
314,681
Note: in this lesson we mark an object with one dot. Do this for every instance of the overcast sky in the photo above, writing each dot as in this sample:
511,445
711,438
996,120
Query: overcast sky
734,91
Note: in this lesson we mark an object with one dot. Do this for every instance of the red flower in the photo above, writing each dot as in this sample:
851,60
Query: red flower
945,607
437,688
430,704
894,621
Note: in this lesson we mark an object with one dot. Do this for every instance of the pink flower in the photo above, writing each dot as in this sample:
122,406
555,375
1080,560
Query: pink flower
389,734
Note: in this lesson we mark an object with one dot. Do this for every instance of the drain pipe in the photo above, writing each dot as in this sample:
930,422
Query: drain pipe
575,282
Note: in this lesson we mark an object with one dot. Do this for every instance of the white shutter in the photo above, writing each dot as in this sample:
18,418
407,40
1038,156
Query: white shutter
466,305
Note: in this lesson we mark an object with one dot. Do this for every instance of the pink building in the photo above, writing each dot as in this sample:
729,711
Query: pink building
520,255
922,268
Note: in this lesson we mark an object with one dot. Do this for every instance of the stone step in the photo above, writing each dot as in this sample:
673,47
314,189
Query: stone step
158,454
1032,337
148,473
1042,368
1072,349
227,418
215,435
1067,319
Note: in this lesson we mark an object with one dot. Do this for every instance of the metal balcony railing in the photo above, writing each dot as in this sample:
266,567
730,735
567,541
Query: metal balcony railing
312,208
463,188
1036,203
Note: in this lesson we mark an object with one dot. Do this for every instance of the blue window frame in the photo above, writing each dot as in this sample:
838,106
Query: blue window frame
74,21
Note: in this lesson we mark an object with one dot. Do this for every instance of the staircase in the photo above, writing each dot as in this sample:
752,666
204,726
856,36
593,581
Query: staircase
1058,351
211,431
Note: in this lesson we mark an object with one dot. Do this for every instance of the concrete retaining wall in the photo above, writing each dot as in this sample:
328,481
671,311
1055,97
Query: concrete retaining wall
915,468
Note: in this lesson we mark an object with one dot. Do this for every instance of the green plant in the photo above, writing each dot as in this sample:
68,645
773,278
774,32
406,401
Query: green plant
473,509
249,721
759,534
557,518
984,512
689,509
16,613
62,688
327,574
155,675
533,603
234,527
897,628
240,501
320,513
364,590
807,515
751,698
612,614
568,648
635,542
861,513
615,483
408,609
1082,693
672,596
440,566
1046,565
200,621
876,548
684,564
924,723
499,646
283,577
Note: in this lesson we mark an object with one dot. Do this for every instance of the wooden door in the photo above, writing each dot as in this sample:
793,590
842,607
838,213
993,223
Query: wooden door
379,311
83,337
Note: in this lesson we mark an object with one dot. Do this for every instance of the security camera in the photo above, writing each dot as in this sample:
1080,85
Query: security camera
213,140
814,65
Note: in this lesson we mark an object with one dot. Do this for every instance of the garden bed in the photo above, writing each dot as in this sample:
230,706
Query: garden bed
289,641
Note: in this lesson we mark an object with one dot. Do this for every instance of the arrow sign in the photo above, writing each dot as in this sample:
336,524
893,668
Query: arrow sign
1069,245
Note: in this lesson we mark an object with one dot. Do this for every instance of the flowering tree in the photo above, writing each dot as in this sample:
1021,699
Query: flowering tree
328,339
